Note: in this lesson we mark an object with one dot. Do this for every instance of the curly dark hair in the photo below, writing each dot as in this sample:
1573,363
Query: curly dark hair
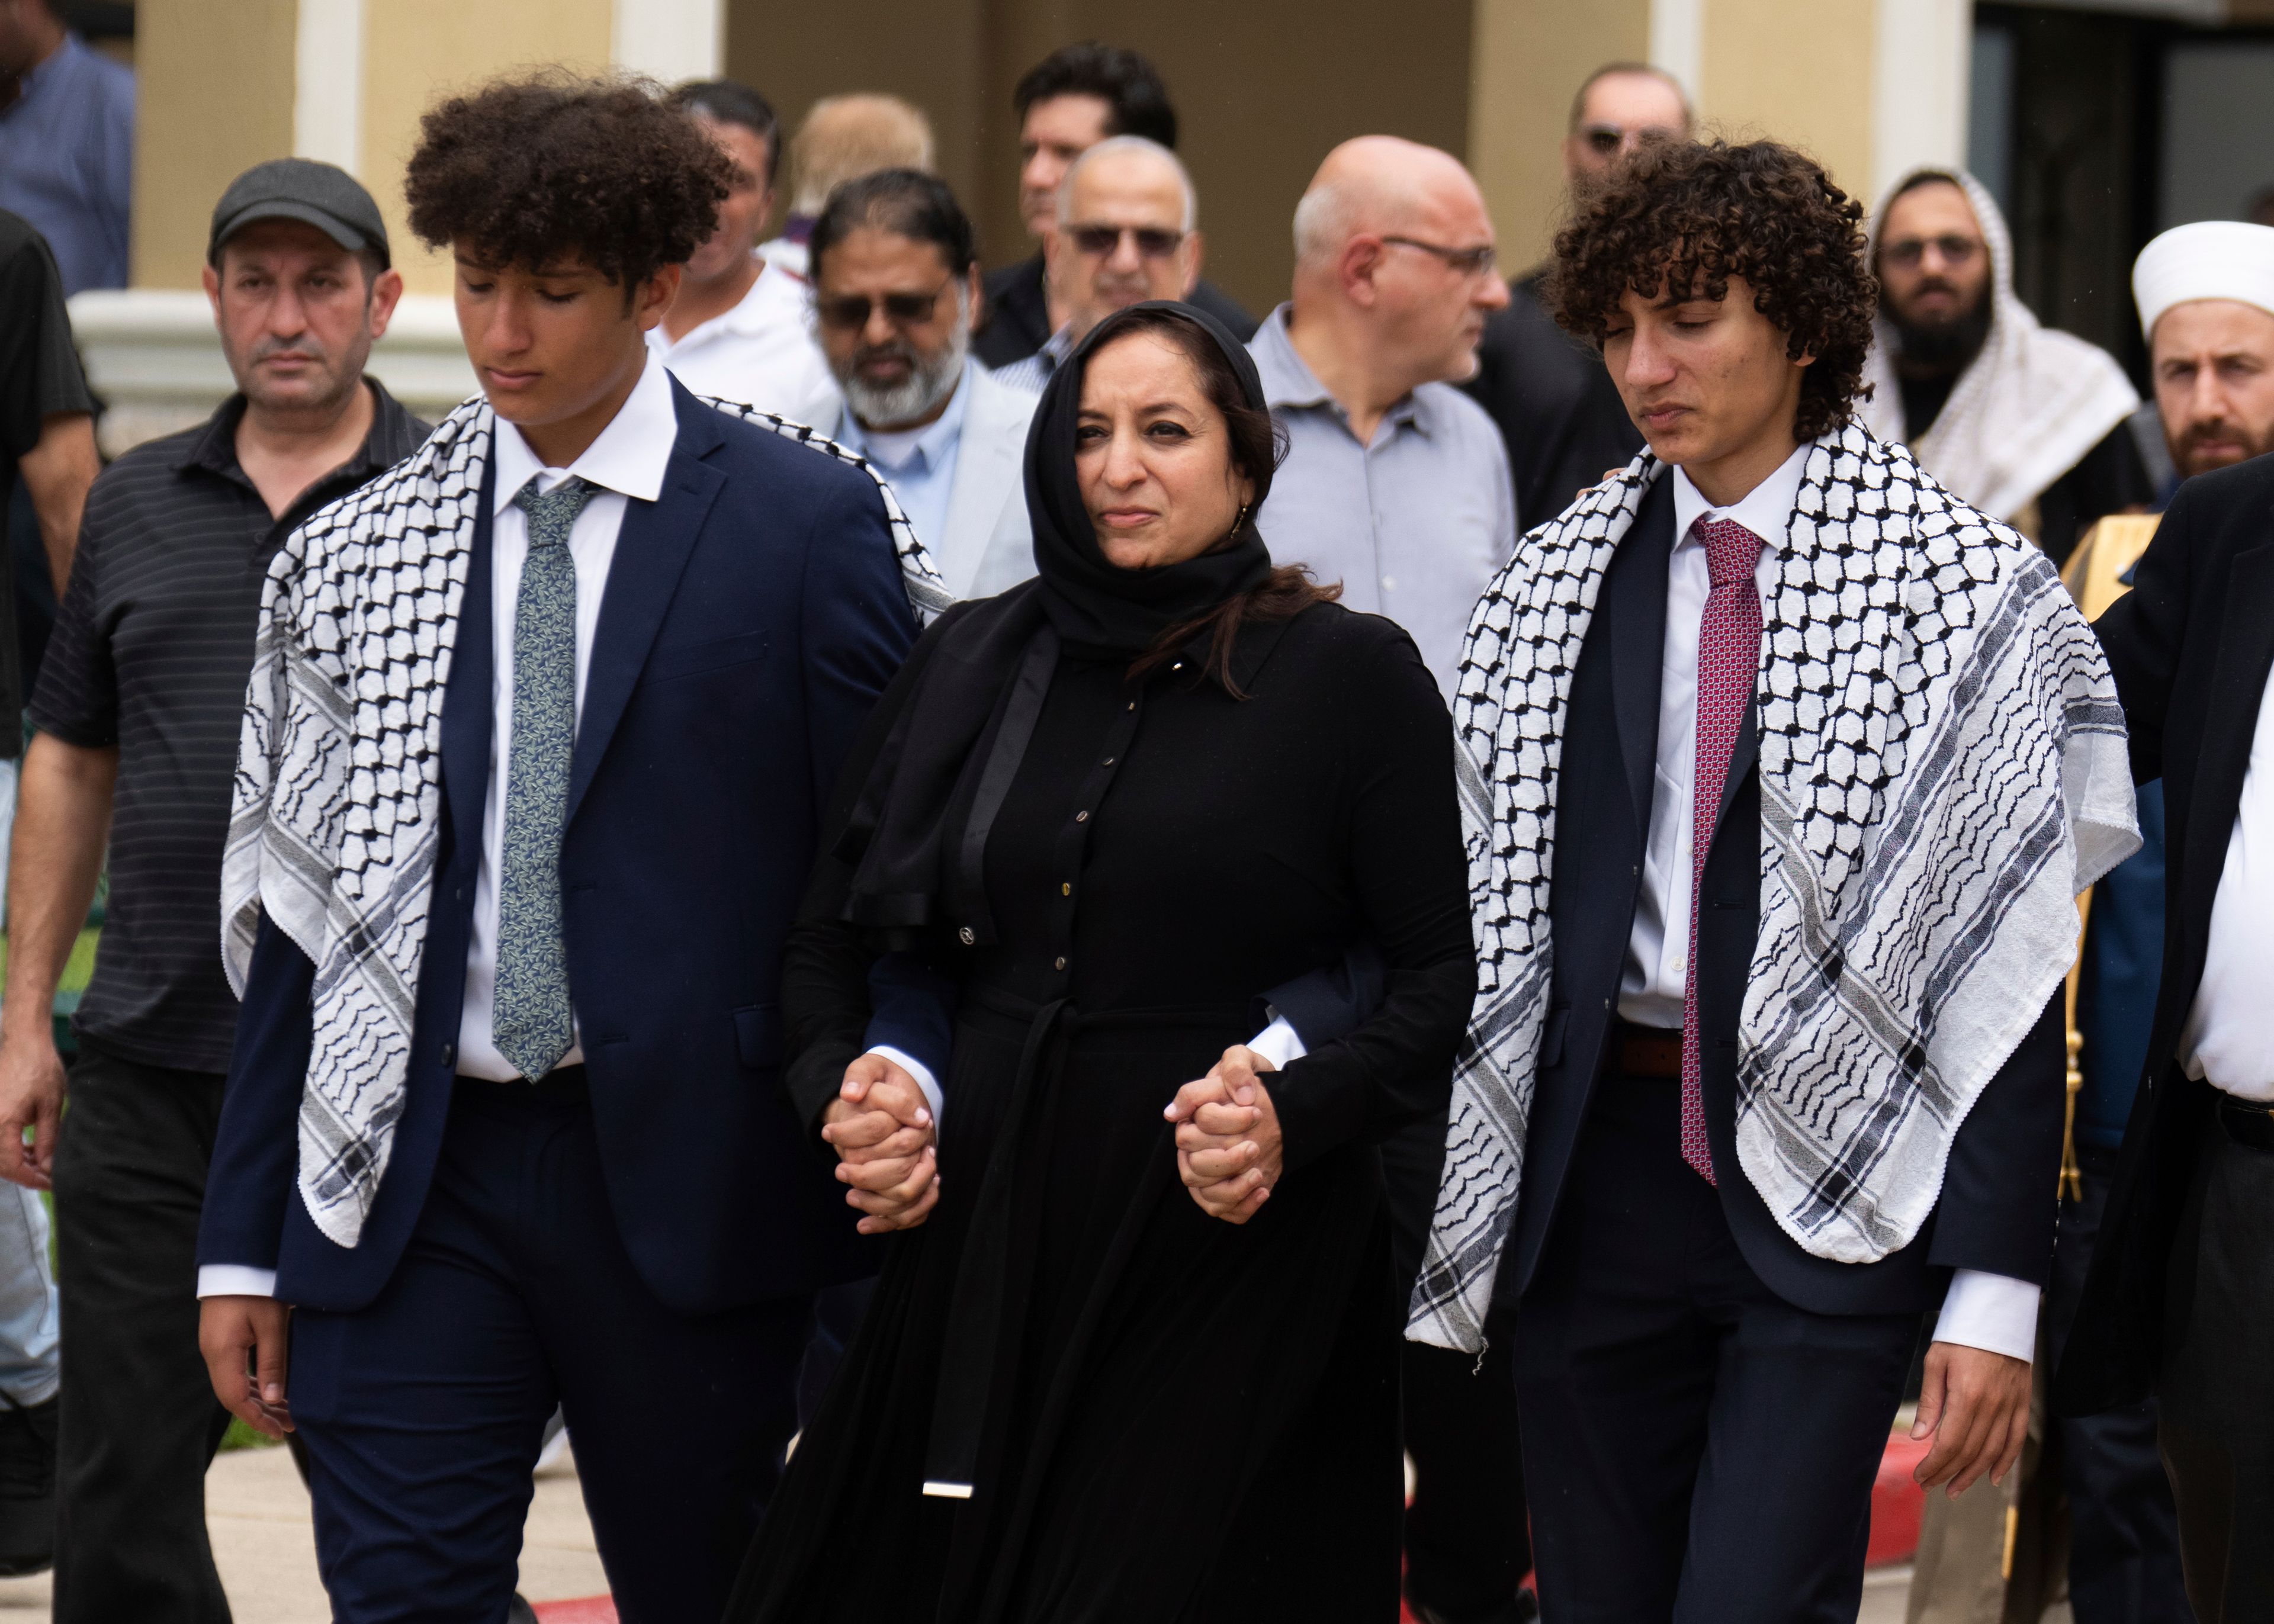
1685,214
534,171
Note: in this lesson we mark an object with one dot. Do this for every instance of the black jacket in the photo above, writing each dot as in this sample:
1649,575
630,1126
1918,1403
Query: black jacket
2190,646
1556,407
1019,321
1998,1205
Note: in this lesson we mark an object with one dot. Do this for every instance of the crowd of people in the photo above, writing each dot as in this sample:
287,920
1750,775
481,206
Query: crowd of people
1472,876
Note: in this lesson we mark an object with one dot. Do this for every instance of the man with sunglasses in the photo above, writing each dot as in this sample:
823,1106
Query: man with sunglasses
2025,422
1397,484
895,283
1128,231
1556,407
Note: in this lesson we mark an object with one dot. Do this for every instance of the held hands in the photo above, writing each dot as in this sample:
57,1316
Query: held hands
1975,1405
1229,1149
884,1138
243,1340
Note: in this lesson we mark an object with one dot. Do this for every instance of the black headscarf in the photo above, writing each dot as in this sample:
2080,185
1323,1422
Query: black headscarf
918,833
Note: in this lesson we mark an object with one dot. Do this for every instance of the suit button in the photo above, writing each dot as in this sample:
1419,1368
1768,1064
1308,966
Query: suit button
449,1054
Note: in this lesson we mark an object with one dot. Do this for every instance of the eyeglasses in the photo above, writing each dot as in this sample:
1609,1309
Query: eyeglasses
1468,261
1605,140
1905,253
849,312
1153,242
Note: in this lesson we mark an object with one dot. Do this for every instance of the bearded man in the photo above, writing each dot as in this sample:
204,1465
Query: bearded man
1787,768
2025,422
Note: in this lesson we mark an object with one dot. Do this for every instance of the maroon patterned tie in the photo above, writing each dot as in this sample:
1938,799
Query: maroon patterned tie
1729,653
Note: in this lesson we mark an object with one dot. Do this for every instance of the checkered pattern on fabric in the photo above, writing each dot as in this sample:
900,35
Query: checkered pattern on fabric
1942,768
333,820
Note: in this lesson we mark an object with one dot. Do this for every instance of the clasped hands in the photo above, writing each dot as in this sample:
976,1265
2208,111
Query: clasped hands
1230,1152
886,1145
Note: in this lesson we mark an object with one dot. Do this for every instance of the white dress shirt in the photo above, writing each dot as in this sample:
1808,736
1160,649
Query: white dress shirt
762,353
2229,1039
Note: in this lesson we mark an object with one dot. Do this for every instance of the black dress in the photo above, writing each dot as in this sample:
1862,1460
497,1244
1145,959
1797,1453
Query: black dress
1183,1418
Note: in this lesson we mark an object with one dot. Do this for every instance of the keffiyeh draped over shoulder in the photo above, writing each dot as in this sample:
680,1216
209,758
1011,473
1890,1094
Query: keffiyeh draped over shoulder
1942,769
332,824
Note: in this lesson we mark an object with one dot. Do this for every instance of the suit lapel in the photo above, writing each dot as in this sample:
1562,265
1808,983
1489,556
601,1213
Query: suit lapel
2238,685
469,701
1639,643
651,552
986,468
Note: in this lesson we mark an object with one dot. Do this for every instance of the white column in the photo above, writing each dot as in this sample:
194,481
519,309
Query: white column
1677,44
670,40
1922,54
327,83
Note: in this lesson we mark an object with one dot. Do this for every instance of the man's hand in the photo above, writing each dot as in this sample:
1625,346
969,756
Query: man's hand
31,1098
1229,1149
883,1133
243,1340
1976,1406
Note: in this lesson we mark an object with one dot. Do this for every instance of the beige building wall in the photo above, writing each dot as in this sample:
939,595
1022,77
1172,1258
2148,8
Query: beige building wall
214,98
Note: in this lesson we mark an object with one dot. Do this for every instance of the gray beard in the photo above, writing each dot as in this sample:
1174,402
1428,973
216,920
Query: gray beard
929,382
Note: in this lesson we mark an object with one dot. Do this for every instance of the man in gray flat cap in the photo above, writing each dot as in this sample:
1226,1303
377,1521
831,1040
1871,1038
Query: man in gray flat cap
136,720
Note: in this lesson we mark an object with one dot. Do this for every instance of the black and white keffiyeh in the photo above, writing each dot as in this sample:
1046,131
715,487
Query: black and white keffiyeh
332,825
1942,769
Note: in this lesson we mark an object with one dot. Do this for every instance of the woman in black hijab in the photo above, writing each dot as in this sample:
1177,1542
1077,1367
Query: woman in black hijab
1115,1368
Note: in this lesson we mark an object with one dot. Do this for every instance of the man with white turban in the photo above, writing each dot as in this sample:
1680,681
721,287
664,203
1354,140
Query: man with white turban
2024,423
2166,1012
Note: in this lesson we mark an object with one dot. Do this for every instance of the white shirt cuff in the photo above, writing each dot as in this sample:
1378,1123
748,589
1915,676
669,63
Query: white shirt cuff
916,1069
1279,1043
235,1280
1992,1312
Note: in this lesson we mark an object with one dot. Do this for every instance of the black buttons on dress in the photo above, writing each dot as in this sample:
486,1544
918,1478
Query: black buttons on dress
1061,963
1109,761
1066,887
966,935
1081,817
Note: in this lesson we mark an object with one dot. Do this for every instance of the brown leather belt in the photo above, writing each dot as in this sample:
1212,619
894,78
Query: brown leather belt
1646,1051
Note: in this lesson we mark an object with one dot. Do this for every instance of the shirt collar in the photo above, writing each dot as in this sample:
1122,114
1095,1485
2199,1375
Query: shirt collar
394,435
629,457
1765,509
1289,383
929,446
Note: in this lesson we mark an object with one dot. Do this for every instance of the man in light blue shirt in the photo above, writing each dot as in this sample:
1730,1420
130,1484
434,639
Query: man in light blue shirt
1396,483
895,280
66,143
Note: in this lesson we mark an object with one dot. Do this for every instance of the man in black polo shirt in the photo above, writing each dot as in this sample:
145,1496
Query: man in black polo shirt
136,715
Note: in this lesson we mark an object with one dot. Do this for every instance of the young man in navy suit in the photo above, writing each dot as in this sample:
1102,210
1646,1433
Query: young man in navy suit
540,730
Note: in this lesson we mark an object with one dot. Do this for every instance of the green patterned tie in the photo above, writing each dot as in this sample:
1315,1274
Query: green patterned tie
530,1020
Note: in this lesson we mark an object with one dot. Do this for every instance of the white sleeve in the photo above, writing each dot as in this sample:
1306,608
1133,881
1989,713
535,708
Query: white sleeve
1279,1043
235,1280
1994,1311
916,1069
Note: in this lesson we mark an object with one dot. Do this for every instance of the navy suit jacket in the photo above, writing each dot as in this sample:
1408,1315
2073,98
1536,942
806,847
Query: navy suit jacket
1998,1205
752,615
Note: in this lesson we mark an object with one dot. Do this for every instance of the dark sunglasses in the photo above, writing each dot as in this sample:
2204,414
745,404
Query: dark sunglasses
1468,261
849,312
1604,140
1907,253
1153,242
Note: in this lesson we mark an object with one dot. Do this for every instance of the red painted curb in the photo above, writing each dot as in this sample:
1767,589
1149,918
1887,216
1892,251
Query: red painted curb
1897,1503
588,1609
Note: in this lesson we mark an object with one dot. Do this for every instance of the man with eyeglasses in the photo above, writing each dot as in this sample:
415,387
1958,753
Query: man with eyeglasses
1396,483
1556,407
895,285
1128,230
2027,424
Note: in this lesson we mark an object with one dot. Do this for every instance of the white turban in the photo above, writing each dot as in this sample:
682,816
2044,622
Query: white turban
2210,260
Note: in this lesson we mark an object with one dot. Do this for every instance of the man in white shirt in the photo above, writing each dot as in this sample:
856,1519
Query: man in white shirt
504,1127
895,283
2180,1301
1742,1103
737,330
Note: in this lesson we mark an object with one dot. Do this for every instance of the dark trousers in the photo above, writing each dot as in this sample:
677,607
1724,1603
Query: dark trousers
423,1413
2215,1399
1698,1448
139,1423
2124,1530
1468,1544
